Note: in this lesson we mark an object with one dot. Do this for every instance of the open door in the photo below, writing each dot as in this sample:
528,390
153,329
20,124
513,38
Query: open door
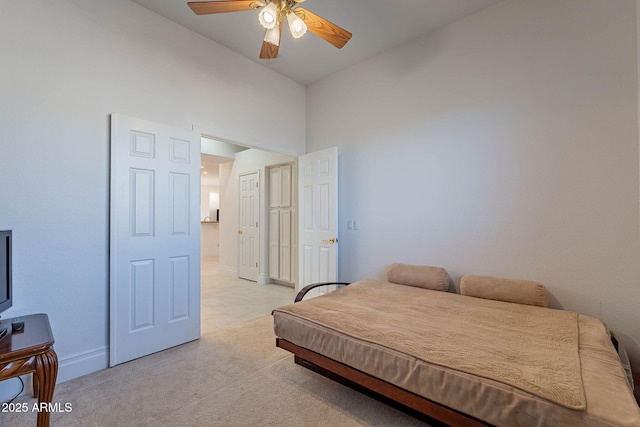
318,217
154,238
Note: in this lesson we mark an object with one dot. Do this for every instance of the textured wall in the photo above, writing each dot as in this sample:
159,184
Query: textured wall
504,144
65,66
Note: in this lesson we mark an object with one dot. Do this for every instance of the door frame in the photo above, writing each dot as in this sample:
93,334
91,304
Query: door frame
263,272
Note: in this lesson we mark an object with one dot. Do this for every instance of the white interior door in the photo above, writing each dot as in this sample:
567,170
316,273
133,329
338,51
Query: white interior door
318,217
155,238
248,234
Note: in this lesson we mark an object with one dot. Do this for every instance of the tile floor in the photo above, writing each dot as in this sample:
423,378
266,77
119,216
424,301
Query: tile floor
227,300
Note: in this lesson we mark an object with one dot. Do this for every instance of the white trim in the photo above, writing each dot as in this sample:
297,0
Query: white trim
208,132
81,364
263,279
68,368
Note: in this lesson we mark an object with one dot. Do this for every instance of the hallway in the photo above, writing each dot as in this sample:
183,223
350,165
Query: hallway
228,300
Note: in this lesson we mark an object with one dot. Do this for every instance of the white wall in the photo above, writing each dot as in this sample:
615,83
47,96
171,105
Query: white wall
209,238
219,148
504,144
65,65
228,227
209,232
508,141
209,201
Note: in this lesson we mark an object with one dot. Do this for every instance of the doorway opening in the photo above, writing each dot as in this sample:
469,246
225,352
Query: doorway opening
227,299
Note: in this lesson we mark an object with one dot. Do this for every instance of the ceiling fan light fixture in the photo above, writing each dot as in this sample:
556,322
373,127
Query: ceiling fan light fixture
296,25
272,36
271,14
268,16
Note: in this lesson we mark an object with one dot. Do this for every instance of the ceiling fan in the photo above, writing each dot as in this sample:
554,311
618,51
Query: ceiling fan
271,17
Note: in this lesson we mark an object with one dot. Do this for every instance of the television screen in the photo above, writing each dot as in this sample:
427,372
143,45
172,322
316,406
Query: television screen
5,270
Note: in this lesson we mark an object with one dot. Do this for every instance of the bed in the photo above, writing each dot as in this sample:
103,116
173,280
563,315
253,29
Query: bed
494,354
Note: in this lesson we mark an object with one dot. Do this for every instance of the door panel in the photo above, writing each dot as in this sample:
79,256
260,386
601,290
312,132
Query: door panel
154,238
318,217
274,244
285,188
285,244
249,231
275,187
179,184
142,191
179,296
142,307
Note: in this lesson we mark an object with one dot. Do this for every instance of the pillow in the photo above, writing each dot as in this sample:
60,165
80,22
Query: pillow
421,276
509,290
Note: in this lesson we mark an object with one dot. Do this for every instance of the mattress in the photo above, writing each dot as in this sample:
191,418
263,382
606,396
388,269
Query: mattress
345,325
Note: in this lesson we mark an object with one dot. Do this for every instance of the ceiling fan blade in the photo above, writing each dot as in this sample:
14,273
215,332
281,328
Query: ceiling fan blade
270,51
209,7
322,28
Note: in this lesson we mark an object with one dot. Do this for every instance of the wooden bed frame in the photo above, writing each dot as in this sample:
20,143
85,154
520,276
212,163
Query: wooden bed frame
402,399
376,388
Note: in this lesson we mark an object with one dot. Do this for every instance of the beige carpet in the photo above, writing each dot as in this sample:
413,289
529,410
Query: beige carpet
231,377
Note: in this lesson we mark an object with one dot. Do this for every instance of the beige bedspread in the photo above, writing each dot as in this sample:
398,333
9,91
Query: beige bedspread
531,348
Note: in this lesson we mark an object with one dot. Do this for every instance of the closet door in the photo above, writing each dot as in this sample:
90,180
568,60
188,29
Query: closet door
281,223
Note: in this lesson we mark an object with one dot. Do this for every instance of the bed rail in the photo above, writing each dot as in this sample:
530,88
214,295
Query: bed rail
307,288
624,358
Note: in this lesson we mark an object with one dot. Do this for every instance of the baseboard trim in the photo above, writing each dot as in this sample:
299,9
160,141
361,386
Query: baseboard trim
68,368
81,364
226,270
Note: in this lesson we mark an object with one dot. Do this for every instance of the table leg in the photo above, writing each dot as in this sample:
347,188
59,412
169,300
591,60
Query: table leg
44,381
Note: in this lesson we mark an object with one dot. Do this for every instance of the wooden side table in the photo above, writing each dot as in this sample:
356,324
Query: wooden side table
31,350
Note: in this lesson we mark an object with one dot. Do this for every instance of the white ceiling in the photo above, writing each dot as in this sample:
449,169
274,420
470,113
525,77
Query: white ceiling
377,25
210,169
